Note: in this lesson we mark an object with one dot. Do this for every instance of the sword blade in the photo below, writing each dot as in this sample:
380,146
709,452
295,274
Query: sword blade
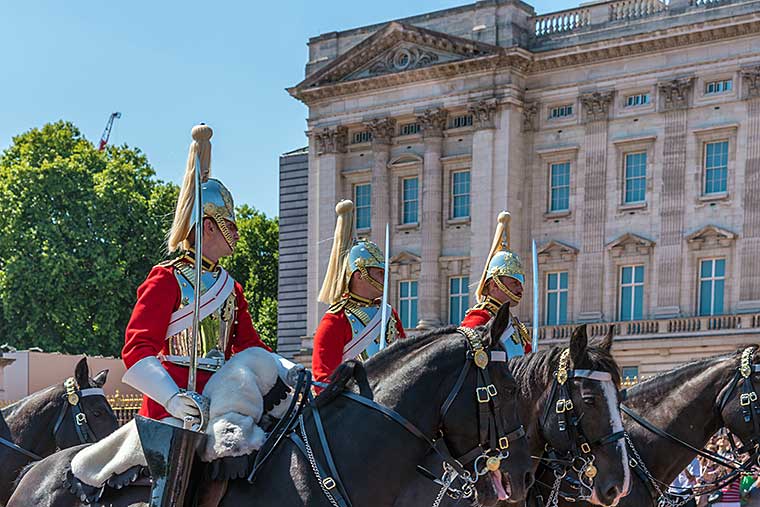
384,307
534,341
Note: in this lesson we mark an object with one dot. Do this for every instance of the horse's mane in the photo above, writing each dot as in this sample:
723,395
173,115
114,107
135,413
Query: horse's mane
536,370
36,398
402,348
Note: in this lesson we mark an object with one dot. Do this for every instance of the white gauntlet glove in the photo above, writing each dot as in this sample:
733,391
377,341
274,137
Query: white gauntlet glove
182,408
287,370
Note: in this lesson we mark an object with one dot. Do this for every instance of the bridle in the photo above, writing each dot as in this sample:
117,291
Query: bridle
580,457
748,401
72,404
491,449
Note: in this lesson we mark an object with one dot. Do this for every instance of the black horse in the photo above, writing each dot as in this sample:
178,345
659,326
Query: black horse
536,374
690,403
375,456
46,421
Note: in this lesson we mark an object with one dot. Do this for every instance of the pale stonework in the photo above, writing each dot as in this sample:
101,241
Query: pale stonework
509,73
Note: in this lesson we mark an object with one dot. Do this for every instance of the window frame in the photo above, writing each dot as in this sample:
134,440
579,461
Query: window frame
357,206
559,292
558,107
463,297
453,196
626,178
632,285
405,201
408,299
721,82
712,278
627,98
705,169
552,188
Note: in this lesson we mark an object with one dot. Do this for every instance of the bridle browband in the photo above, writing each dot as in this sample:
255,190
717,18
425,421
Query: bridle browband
492,447
72,401
580,457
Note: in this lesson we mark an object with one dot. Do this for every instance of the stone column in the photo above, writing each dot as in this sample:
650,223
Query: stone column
482,212
749,290
674,103
326,149
432,122
596,108
383,130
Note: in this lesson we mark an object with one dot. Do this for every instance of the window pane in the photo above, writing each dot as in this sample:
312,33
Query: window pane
460,192
454,286
362,199
551,279
630,372
413,320
551,309
638,302
404,289
625,303
716,167
563,280
639,274
562,318
627,272
560,187
635,177
720,267
705,297
718,287
414,289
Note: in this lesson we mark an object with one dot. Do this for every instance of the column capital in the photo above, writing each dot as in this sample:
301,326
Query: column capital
433,121
382,129
675,94
483,113
596,106
330,139
529,116
751,85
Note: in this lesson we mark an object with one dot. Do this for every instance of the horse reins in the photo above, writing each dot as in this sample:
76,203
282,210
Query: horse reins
72,400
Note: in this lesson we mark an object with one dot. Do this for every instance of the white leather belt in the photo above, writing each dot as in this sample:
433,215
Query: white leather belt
204,363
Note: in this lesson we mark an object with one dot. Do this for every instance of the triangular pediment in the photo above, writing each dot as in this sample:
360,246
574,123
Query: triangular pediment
710,235
394,49
630,244
405,258
556,250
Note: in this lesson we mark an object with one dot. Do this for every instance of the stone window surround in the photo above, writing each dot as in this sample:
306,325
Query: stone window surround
632,251
622,148
556,156
621,96
451,165
724,248
553,261
701,97
550,122
709,135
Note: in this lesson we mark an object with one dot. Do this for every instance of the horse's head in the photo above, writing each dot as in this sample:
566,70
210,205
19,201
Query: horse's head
85,416
482,424
738,403
581,420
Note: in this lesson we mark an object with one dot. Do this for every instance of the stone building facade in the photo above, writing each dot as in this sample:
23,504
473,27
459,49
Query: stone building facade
623,136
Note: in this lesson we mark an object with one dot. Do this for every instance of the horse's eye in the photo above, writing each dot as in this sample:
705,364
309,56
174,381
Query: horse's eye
589,400
97,413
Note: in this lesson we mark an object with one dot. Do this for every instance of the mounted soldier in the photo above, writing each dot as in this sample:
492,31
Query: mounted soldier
501,283
353,287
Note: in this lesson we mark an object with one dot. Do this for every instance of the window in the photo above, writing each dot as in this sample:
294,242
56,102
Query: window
716,167
632,293
563,111
363,200
712,279
458,298
720,86
559,197
407,303
630,374
556,298
364,136
460,194
635,177
639,99
409,129
464,120
409,197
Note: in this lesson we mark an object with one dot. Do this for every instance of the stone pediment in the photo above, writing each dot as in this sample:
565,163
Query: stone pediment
405,258
557,251
630,244
396,52
710,236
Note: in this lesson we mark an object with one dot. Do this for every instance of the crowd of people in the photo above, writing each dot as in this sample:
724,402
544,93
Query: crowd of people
701,473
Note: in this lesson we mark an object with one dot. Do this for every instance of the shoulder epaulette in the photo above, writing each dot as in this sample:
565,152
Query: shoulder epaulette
490,305
337,306
522,329
171,262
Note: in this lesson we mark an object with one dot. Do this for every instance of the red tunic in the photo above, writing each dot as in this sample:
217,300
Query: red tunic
480,317
333,333
157,298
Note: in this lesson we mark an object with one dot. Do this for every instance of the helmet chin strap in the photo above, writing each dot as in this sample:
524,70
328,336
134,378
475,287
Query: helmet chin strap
222,224
511,295
374,283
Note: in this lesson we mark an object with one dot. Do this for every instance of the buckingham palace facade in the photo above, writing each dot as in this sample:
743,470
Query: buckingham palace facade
623,136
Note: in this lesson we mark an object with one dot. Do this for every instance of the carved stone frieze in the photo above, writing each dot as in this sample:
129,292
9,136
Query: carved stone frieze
751,82
433,121
331,139
483,113
401,59
382,129
529,116
675,94
596,106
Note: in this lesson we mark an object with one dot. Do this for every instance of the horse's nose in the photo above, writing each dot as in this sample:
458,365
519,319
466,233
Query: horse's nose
610,495
529,480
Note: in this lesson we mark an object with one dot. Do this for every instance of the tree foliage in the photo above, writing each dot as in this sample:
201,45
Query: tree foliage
254,265
79,231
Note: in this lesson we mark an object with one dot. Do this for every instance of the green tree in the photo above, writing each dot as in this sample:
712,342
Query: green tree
79,231
254,265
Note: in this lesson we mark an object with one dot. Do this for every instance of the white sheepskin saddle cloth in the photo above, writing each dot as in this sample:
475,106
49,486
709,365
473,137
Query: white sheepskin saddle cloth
236,393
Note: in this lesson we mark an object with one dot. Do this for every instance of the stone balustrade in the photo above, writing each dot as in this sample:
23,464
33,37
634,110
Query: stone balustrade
634,9
658,327
562,21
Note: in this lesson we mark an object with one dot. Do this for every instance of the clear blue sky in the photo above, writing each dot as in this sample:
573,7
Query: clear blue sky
169,65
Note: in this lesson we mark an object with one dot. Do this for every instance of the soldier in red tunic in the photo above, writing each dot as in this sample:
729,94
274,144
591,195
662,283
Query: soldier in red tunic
501,283
353,286
158,337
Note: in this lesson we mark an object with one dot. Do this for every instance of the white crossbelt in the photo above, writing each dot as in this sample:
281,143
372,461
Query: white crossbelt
211,300
361,341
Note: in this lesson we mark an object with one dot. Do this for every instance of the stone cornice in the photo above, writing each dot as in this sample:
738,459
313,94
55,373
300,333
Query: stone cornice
751,85
483,113
596,105
675,94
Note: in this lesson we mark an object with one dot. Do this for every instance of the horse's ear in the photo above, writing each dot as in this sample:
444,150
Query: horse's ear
606,342
82,374
100,379
499,323
578,344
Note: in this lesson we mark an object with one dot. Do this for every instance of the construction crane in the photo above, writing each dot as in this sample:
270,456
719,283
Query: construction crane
107,131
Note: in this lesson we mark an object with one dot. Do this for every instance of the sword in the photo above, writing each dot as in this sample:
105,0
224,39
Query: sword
534,341
384,307
191,383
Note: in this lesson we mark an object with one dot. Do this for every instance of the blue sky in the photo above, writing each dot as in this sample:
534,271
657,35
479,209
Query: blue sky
168,65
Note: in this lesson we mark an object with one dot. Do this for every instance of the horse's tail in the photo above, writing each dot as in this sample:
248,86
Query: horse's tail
22,474
346,372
